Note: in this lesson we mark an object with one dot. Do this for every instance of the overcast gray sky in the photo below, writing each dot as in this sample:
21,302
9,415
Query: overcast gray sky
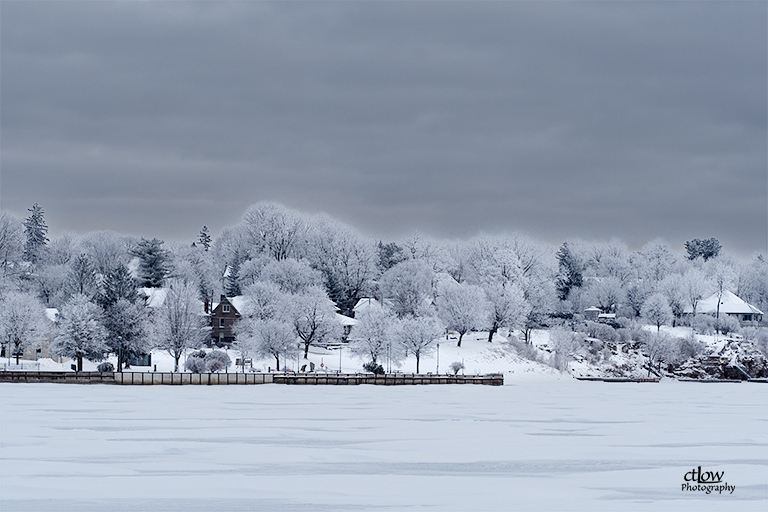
575,119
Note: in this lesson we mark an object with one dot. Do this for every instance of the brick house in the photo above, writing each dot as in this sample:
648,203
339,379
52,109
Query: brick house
223,318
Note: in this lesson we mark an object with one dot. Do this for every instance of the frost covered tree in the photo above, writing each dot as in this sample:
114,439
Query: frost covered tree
204,238
753,282
656,310
179,322
105,249
389,255
80,333
154,262
656,345
723,278
123,317
127,325
11,240
263,301
705,249
36,231
22,322
563,344
508,307
81,277
371,335
673,290
292,276
313,316
417,335
266,338
695,285
408,285
654,262
346,259
462,307
50,281
275,230
607,293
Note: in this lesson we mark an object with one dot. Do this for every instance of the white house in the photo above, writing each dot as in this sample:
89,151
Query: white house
730,305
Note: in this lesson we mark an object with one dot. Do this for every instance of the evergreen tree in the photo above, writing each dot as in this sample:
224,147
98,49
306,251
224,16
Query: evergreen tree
36,230
154,262
570,272
705,249
118,284
204,238
123,317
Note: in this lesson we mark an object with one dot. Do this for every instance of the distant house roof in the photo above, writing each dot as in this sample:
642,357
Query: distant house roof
730,304
345,320
155,297
593,308
52,314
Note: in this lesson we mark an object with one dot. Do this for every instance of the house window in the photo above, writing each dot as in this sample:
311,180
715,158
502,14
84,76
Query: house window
225,308
221,322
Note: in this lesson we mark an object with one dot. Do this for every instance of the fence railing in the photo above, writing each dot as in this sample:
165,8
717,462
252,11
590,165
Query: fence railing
217,379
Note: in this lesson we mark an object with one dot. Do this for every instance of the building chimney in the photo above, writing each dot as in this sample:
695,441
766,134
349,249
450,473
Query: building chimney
223,297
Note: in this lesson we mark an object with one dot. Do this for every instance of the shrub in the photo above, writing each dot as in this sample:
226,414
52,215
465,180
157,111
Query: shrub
106,367
196,362
456,367
374,368
601,331
727,324
703,324
216,360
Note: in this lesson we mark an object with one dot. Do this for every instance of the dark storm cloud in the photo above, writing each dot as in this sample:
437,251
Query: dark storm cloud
600,119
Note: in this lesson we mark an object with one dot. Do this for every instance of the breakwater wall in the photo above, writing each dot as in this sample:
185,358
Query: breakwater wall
218,379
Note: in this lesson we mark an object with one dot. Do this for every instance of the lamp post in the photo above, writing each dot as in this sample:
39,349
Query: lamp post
389,357
340,347
437,371
285,359
226,359
119,353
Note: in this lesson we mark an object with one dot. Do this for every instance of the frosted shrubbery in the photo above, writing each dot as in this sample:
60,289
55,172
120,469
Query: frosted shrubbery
601,331
703,324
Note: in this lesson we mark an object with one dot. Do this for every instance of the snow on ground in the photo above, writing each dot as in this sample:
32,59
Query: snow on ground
529,445
479,357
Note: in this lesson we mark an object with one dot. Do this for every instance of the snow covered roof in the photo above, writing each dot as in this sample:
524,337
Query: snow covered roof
729,304
593,308
52,314
345,320
366,304
155,297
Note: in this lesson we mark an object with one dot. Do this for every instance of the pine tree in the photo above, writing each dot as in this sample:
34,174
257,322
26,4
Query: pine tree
204,238
154,262
118,284
36,230
570,274
81,278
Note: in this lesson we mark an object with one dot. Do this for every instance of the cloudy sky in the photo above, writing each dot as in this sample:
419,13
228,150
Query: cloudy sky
576,119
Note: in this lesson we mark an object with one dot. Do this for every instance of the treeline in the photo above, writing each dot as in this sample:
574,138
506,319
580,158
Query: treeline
288,264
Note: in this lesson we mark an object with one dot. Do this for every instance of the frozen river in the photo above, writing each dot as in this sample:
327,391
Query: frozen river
529,445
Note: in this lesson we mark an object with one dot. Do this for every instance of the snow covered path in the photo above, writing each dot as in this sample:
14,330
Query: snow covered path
542,444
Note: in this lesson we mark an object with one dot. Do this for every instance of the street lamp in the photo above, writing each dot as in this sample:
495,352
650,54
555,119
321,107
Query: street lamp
285,359
437,371
340,347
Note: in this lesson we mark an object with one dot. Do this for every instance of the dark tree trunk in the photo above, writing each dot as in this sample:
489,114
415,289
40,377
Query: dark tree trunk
417,363
491,333
79,362
277,359
461,335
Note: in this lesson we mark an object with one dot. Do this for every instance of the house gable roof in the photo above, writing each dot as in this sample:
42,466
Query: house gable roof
729,304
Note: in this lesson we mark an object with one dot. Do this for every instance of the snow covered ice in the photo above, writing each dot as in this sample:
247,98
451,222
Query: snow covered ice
537,443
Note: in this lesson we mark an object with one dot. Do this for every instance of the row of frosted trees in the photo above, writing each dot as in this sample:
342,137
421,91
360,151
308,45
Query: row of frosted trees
297,270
